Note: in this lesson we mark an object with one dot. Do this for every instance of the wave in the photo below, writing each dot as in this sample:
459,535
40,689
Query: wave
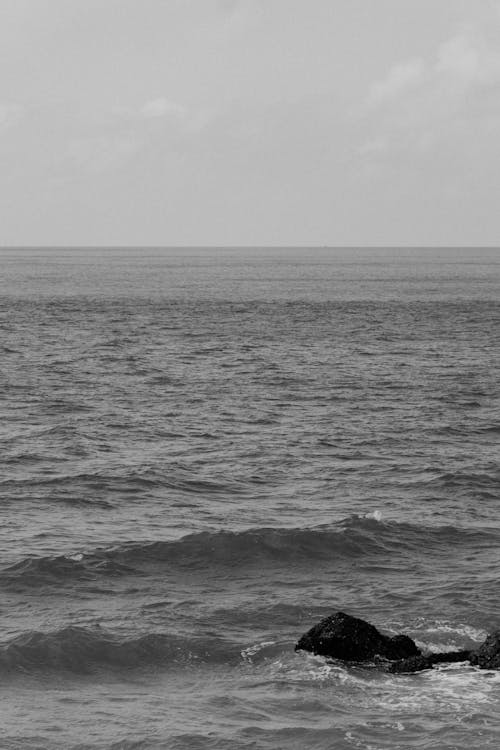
96,481
83,650
261,548
184,741
352,538
467,483
468,480
124,481
36,571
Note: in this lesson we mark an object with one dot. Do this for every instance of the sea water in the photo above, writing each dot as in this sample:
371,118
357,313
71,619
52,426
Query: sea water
203,452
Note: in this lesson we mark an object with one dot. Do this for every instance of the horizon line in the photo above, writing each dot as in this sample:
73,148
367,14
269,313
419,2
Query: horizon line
248,247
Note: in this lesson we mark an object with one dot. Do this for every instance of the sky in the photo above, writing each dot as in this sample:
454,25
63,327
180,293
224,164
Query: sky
250,122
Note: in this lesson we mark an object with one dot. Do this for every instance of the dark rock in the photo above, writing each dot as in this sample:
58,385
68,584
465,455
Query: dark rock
448,657
412,664
418,663
402,646
341,636
487,656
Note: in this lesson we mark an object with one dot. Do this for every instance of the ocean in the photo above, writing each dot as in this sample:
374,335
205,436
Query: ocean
205,451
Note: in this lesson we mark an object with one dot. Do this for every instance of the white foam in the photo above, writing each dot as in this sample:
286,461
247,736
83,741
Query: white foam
442,635
461,629
300,668
447,687
247,653
376,515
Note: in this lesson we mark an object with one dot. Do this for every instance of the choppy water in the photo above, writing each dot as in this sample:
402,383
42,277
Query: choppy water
203,453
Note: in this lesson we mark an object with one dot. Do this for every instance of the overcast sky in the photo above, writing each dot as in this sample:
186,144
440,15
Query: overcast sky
241,122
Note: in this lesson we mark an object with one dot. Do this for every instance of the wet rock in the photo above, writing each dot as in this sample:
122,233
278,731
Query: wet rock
448,657
418,663
412,664
487,656
401,647
341,636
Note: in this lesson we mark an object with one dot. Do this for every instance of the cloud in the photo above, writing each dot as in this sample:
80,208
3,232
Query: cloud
229,6
470,58
10,112
399,80
104,141
97,154
160,108
450,99
374,147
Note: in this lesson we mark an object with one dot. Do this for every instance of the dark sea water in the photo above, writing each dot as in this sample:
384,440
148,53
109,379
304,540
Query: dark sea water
203,452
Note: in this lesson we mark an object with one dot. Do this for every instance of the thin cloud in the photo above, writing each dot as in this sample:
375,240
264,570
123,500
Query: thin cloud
160,108
106,142
401,78
421,105
98,154
10,112
470,58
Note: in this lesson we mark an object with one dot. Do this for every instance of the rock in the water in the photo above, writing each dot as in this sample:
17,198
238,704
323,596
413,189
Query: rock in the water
487,656
401,647
412,664
341,636
418,663
448,657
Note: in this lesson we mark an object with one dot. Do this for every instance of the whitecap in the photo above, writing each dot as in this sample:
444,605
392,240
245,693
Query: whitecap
77,557
375,516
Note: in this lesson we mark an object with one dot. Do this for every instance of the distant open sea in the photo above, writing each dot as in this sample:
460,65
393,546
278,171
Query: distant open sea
205,451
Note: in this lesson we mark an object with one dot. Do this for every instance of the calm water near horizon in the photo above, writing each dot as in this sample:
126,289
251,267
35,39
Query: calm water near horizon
205,451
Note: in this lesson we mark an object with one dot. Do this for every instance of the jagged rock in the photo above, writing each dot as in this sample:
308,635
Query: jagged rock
418,663
487,656
341,636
